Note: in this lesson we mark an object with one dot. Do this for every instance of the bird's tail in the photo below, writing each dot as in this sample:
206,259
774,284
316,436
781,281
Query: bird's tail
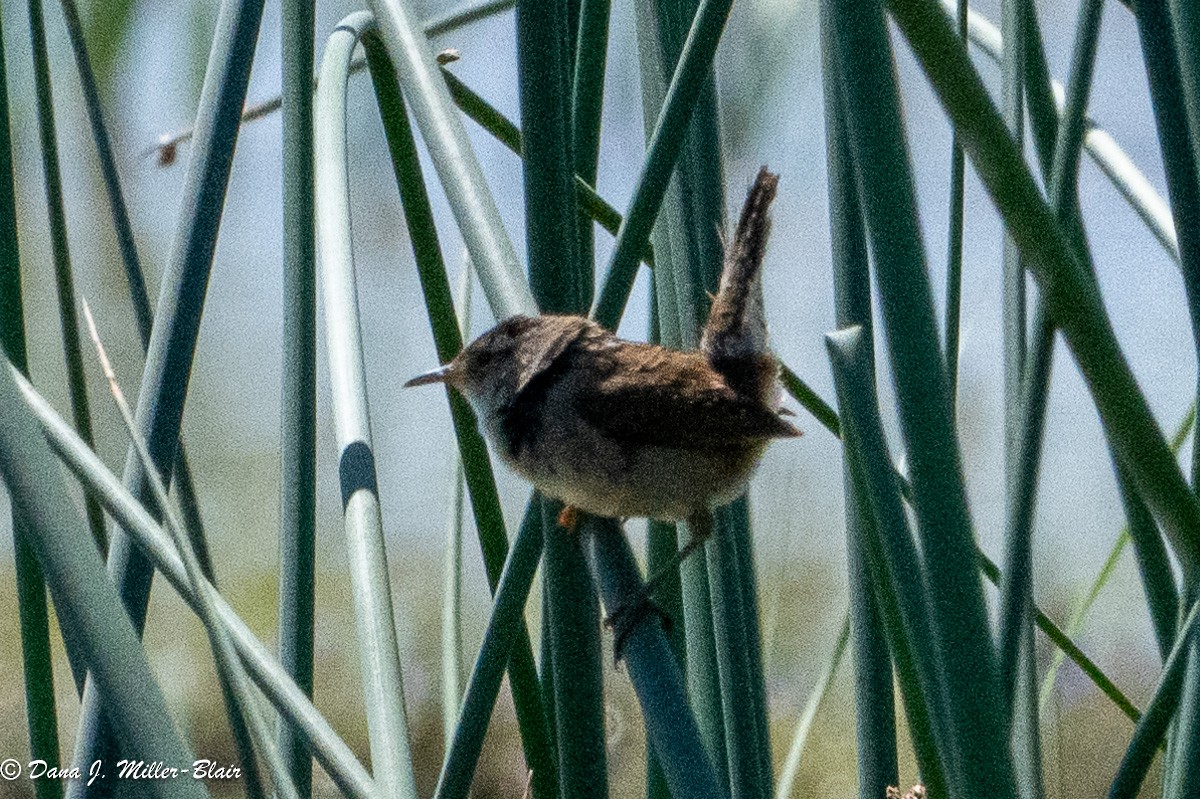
735,337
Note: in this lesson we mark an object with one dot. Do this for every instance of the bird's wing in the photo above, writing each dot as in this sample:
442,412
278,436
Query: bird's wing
687,406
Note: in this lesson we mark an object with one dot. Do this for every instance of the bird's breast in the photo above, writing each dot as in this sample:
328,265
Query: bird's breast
571,461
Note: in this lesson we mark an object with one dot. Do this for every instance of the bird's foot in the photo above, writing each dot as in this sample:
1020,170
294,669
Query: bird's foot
568,518
625,619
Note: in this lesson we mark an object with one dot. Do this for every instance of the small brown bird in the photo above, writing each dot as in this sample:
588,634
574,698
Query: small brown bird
620,428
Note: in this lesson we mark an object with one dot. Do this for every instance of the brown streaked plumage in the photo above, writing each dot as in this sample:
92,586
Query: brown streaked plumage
621,428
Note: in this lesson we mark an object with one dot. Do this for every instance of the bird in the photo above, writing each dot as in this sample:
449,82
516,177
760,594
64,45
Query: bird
622,428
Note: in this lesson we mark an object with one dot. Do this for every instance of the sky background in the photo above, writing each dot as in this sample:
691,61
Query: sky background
770,89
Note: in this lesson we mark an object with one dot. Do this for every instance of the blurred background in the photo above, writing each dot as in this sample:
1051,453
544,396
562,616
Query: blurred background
150,58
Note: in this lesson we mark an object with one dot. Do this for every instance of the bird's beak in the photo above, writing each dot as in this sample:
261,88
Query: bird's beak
440,375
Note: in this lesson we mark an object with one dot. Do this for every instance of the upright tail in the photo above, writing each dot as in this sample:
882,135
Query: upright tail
735,337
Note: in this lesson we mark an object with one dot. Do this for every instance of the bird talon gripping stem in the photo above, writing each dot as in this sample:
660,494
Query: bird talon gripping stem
620,428
568,518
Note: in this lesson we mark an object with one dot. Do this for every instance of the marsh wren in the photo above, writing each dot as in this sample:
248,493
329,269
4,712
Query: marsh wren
620,428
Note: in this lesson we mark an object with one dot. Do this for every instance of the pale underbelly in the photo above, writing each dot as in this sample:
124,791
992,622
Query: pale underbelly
659,482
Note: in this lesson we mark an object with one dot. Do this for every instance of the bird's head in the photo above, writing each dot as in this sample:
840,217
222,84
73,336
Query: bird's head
497,366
